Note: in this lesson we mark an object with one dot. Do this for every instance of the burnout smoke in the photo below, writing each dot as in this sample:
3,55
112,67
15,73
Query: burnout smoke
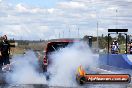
66,61
25,70
63,68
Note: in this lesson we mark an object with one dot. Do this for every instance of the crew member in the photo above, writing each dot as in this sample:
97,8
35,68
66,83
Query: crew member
130,47
1,60
5,51
114,47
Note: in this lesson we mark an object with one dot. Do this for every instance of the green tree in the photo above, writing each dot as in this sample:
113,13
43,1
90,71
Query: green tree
121,38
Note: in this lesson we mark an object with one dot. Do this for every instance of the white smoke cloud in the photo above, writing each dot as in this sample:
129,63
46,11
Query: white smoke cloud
63,68
25,70
66,61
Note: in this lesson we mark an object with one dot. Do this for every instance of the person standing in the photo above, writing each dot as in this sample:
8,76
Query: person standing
130,47
5,51
1,60
115,47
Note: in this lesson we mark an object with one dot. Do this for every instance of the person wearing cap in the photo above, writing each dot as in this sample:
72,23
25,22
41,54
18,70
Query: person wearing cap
5,51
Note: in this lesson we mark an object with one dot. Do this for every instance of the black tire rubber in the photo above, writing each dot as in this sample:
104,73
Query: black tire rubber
44,68
82,80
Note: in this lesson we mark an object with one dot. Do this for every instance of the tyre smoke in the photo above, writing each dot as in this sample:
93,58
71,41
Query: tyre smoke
67,60
24,70
62,70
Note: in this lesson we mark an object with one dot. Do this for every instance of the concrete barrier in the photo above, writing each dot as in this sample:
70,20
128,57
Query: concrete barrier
116,60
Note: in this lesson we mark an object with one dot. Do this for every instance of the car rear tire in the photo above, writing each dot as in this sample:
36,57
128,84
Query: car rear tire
82,80
44,68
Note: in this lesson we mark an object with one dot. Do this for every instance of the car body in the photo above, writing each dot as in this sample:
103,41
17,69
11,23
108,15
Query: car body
52,47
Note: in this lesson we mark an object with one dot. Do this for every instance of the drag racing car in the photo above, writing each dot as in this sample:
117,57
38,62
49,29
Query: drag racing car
52,47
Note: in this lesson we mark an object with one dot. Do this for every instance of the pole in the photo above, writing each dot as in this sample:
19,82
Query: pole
108,42
116,18
78,33
69,33
63,33
97,37
59,35
126,42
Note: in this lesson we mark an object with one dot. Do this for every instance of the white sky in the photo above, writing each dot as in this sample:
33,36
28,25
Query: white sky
47,19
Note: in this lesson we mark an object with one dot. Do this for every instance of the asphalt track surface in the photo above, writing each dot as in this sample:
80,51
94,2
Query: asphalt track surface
102,69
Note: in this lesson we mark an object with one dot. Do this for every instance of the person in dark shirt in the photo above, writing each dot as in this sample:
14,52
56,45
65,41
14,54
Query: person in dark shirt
1,60
5,51
130,47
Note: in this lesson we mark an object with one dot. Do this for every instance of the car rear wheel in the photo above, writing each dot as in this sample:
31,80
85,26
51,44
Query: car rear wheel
82,80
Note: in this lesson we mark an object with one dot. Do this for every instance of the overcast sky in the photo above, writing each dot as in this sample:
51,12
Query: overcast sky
48,19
